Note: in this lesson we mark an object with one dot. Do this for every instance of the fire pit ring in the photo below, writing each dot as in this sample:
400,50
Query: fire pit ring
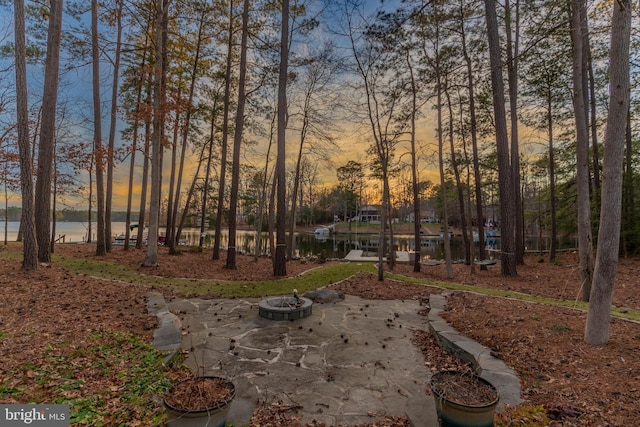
285,308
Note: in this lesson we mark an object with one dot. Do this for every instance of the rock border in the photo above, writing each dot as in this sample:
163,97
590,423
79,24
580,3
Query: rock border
489,367
167,337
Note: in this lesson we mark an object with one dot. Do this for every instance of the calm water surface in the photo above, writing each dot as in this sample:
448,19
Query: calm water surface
306,244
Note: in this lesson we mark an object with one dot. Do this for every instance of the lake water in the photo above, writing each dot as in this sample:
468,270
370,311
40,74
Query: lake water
306,244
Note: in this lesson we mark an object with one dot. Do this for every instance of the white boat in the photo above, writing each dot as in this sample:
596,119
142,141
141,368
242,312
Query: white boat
119,239
133,236
322,230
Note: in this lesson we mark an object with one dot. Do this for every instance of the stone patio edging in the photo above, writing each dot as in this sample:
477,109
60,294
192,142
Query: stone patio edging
167,337
491,368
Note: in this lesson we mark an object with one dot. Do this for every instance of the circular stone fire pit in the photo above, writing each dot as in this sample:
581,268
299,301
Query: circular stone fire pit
285,308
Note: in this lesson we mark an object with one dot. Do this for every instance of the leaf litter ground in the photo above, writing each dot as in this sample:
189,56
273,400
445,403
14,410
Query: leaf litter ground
50,315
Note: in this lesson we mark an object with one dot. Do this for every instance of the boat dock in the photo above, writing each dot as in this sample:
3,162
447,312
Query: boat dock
358,255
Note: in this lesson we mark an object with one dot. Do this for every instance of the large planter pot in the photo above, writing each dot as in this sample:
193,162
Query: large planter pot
463,399
199,401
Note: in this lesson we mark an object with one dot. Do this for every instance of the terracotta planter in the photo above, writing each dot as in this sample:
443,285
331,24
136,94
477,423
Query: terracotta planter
463,399
184,411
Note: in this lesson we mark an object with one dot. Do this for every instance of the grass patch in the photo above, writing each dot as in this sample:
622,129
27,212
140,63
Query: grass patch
11,255
312,279
523,415
620,312
111,378
558,327
319,277
7,391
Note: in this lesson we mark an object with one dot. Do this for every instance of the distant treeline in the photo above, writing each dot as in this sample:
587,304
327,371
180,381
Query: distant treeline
13,213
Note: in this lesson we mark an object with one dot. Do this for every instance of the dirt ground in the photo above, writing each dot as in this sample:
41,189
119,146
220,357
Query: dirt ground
564,381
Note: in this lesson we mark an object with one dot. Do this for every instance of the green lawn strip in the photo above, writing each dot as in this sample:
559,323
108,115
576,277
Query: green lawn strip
313,279
11,255
620,312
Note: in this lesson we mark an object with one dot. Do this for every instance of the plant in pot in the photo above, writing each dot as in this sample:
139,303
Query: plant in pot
198,400
463,399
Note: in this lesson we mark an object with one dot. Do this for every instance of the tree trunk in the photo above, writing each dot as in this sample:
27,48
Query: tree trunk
237,141
414,170
383,221
391,260
27,219
174,190
47,133
112,127
586,54
89,213
468,211
599,316
280,259
512,76
171,225
459,189
629,214
594,117
505,181
53,201
272,215
134,148
473,123
225,139
552,182
132,163
443,191
101,248
6,209
207,175
585,238
187,202
296,181
145,184
151,256
263,194
169,237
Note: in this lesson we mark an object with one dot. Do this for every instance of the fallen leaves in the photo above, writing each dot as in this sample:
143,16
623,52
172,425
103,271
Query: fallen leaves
50,313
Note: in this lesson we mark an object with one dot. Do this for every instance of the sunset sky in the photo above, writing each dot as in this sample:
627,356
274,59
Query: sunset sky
352,137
